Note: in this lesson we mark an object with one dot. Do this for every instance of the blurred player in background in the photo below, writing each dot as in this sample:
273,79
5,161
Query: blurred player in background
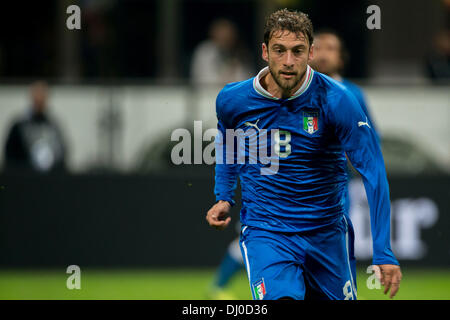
438,59
295,234
35,142
221,58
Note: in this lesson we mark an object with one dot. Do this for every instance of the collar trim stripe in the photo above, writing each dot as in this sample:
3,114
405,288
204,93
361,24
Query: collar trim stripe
259,88
305,85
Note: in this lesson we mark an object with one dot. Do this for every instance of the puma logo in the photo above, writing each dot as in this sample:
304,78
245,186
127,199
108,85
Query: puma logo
255,125
360,123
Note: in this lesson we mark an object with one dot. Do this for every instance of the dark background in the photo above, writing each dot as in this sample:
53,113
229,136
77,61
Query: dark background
155,39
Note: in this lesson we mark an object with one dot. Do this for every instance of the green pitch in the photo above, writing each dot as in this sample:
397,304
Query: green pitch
185,284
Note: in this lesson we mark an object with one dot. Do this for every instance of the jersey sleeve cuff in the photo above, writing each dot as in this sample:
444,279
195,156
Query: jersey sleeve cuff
379,261
385,256
230,201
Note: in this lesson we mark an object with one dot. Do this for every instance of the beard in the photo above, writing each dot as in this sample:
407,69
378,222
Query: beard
286,84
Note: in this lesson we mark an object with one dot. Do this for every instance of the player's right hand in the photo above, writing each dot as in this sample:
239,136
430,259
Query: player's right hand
217,215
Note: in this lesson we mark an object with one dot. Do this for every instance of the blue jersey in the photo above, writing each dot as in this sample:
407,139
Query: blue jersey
320,123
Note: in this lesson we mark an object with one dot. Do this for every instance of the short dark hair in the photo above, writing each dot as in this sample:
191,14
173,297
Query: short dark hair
289,20
345,56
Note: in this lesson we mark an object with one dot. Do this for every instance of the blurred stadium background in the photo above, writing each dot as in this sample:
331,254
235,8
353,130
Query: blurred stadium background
132,220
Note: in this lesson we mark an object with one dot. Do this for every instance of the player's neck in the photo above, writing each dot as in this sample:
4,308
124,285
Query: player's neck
269,83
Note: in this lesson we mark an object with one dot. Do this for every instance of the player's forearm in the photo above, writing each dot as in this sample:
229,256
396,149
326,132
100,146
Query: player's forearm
377,190
226,182
370,164
379,203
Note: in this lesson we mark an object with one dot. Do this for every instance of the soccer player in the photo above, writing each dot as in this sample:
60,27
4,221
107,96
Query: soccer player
294,236
330,57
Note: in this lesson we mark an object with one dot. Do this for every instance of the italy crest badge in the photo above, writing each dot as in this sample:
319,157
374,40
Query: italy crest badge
310,122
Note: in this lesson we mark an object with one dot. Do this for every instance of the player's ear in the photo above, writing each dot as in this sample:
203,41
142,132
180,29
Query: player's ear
265,52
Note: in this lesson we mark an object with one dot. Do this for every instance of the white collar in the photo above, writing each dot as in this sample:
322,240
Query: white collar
259,88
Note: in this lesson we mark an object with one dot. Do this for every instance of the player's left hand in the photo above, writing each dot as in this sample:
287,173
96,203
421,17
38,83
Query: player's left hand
390,276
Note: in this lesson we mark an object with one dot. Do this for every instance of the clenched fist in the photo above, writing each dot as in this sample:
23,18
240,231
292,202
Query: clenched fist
217,216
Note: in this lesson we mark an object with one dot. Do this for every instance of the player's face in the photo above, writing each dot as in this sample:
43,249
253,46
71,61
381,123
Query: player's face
327,54
288,55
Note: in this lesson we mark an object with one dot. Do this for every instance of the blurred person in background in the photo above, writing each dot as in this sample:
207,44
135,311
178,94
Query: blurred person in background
221,58
438,60
35,142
